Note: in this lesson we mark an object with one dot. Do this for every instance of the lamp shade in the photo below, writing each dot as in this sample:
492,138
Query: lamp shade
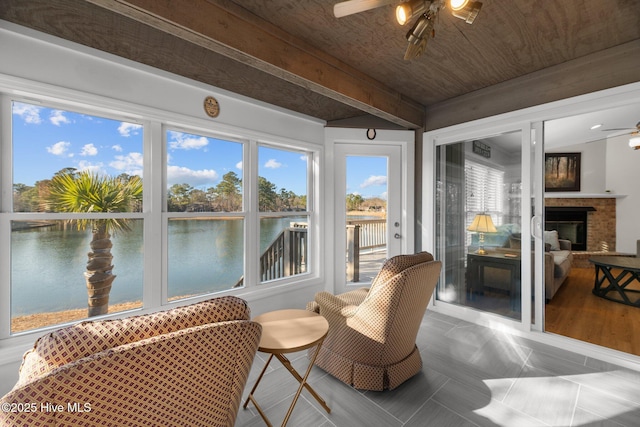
634,142
482,223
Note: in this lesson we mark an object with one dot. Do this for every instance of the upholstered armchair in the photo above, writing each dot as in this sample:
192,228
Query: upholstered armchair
183,367
371,343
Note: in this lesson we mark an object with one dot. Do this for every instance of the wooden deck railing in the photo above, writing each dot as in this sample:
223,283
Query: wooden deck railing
287,254
372,233
361,235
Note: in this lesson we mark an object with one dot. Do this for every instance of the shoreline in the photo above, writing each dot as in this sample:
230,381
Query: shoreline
35,321
29,322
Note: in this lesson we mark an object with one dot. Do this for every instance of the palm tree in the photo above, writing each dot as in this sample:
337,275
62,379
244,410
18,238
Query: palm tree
84,192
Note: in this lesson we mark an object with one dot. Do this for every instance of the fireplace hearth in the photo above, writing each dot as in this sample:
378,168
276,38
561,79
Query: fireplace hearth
571,222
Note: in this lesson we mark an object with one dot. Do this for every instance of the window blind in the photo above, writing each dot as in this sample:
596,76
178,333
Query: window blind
484,187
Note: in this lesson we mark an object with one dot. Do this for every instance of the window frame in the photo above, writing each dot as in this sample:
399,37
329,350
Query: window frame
154,213
311,202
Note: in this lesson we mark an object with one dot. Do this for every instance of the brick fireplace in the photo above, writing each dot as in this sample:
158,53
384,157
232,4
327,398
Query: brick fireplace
601,222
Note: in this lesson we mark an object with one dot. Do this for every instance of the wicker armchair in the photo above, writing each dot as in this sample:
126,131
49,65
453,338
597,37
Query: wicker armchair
183,367
372,332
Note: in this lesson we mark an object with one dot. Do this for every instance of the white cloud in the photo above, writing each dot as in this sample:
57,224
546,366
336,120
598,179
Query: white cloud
272,164
180,141
89,150
60,149
117,148
97,168
130,163
182,175
29,113
374,180
127,129
239,165
57,118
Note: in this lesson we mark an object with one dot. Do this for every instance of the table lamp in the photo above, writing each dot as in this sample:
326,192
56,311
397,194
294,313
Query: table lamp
481,224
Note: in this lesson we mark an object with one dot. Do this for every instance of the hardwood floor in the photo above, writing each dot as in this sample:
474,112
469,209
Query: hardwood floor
575,312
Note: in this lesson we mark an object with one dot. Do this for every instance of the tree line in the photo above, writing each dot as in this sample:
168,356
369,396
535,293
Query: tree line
226,196
355,202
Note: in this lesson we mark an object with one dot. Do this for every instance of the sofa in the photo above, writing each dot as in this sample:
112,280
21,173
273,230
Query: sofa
183,367
558,259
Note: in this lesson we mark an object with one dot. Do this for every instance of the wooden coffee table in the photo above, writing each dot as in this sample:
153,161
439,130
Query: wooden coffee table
614,274
289,331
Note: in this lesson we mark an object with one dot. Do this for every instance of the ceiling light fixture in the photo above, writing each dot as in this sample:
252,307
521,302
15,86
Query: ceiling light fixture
465,9
458,4
418,36
408,10
634,141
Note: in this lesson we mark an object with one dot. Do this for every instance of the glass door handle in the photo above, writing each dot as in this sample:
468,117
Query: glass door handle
536,227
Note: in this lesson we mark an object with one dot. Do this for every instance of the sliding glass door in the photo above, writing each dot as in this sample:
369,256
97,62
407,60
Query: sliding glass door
482,219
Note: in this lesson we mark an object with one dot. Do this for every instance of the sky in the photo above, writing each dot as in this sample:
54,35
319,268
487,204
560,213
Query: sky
367,176
46,140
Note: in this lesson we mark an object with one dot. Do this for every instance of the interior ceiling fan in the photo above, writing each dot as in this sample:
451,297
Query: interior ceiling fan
634,141
426,11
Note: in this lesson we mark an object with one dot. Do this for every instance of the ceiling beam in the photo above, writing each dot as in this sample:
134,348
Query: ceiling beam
616,66
209,24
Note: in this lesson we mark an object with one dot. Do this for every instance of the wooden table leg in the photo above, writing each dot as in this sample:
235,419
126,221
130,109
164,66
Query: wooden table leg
255,386
303,383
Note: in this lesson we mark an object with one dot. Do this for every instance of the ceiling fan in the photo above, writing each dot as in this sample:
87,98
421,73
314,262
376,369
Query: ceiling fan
634,141
426,11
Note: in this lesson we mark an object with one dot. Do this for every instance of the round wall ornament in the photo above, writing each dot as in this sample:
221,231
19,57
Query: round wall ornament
211,106
371,134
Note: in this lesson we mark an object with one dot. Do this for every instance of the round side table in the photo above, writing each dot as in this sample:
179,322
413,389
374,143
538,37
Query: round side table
289,331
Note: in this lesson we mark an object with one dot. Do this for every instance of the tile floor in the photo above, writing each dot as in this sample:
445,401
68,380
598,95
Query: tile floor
471,376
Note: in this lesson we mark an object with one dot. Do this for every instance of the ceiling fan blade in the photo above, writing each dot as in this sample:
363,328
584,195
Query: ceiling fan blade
350,7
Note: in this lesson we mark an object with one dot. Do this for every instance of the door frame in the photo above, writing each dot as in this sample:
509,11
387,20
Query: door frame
608,98
466,133
338,141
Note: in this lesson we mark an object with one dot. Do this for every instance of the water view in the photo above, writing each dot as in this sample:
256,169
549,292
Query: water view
48,263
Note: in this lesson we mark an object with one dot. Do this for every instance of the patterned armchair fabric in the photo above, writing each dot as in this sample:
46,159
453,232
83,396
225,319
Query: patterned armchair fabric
183,367
372,332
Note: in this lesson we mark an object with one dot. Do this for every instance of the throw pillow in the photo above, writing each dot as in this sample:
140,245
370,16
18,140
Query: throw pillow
551,237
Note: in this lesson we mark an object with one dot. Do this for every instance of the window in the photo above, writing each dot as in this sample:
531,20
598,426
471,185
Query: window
284,213
484,187
76,229
103,222
206,237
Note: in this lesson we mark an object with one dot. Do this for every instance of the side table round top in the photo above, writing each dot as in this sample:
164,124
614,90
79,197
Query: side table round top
287,331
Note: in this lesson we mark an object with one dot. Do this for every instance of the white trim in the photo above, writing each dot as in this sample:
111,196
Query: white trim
399,148
158,100
477,129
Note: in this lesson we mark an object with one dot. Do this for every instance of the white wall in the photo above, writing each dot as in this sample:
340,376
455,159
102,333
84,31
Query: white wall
609,165
592,165
623,177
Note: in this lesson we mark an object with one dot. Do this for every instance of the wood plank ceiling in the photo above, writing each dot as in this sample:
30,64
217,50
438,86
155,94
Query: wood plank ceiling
295,54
